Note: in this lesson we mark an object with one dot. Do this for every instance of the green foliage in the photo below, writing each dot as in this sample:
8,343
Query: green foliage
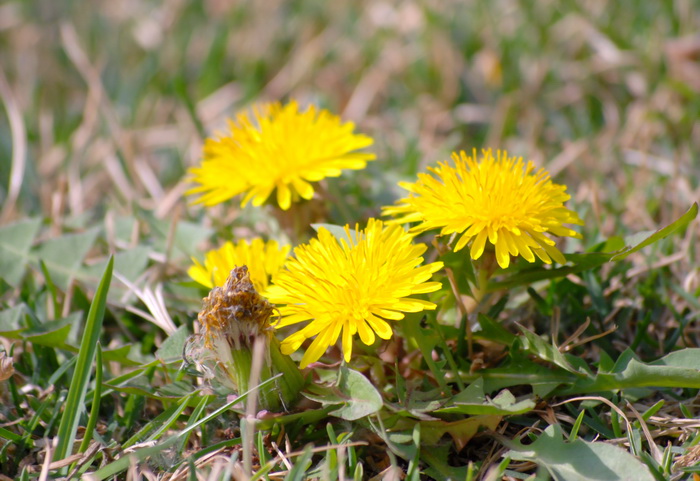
579,460
63,255
83,367
15,241
473,401
356,394
588,261
584,371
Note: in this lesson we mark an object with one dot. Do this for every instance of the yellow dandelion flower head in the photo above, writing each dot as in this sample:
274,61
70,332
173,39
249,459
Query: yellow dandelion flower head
351,285
500,199
277,147
264,261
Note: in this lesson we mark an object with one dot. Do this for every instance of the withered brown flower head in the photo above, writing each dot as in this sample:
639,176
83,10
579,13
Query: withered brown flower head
234,319
235,311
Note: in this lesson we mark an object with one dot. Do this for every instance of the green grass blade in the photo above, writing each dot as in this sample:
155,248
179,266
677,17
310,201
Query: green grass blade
240,399
78,387
9,435
172,418
135,457
643,239
51,287
194,417
150,427
298,471
95,408
263,471
577,425
140,454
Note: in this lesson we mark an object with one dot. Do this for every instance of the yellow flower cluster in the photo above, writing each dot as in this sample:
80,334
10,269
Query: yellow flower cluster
500,199
351,285
350,281
264,261
277,148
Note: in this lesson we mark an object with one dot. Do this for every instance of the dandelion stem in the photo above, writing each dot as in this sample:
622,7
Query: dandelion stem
484,270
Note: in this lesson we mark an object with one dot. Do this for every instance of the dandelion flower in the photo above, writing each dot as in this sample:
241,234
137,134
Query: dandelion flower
351,285
264,261
500,199
278,148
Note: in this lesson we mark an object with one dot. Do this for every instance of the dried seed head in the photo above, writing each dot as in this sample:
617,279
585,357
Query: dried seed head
235,311
234,317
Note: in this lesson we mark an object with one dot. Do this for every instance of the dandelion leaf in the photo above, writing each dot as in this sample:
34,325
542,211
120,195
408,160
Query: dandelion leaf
579,460
473,400
173,345
15,242
461,431
64,255
590,260
676,370
353,391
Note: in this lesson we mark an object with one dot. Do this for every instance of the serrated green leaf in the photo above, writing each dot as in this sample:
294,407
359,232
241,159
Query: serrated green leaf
64,255
613,244
642,239
172,347
629,372
11,324
473,401
521,372
15,241
177,389
586,261
684,358
425,340
309,416
579,460
354,391
438,466
140,386
534,344
129,264
461,431
126,355
463,266
493,331
53,338
420,402
187,237
534,273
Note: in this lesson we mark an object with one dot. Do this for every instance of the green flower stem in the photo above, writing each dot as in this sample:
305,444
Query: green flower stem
484,270
292,382
235,320
280,394
239,371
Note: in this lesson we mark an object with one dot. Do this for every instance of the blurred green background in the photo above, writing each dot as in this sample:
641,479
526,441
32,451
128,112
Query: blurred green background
106,105
111,102
115,96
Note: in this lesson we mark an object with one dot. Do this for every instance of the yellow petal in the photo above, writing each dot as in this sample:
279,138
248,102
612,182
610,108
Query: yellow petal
380,326
478,245
502,255
366,334
284,196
